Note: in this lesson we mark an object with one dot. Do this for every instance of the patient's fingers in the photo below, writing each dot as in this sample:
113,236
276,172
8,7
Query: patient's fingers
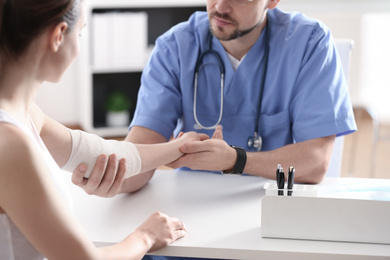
109,176
106,178
78,175
97,173
119,179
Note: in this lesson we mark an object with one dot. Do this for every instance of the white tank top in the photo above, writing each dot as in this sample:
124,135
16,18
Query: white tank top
13,244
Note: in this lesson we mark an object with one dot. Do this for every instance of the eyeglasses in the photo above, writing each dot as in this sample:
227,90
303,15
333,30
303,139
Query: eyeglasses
240,2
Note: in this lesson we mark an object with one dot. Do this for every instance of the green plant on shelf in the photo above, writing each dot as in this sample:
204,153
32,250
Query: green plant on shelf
117,102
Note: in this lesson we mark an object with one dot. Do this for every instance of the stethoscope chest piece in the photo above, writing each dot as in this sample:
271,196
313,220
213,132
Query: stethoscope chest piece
255,142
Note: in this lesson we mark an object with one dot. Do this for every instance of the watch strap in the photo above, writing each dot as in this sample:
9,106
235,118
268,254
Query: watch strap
240,162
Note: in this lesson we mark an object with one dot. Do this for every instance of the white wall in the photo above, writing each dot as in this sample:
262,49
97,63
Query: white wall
375,65
366,22
60,100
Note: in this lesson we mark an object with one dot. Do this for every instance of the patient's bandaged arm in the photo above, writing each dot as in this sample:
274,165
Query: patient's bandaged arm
86,148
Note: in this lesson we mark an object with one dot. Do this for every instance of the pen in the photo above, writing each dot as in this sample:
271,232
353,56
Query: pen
290,180
280,180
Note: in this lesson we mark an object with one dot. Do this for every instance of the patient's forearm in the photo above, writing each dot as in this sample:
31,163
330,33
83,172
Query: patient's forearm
87,147
155,155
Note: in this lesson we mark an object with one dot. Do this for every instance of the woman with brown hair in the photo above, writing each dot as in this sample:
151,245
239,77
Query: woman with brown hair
38,41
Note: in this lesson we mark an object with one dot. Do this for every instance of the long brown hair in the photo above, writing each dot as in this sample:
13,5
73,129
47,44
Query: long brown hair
21,21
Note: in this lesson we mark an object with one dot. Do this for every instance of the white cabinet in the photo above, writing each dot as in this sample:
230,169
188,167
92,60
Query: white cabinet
109,64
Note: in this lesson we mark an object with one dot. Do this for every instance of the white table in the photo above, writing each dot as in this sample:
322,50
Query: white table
222,214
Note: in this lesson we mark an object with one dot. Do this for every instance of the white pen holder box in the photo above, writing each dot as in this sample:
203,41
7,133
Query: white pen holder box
297,190
320,218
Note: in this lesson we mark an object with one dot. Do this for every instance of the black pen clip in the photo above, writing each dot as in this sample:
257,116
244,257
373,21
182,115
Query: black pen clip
280,180
290,180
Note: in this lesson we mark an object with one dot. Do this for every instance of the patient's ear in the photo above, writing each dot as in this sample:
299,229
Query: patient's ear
273,3
57,36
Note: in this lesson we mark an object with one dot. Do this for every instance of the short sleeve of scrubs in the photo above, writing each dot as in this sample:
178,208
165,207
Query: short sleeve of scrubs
159,98
320,103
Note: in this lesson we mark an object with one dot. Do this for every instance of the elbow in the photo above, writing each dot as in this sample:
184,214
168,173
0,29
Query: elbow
137,182
316,178
319,174
315,174
318,156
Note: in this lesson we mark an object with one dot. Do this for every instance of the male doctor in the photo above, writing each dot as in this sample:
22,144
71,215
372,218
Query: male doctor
298,111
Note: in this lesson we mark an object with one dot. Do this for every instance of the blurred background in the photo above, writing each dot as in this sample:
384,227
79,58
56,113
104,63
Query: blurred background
367,23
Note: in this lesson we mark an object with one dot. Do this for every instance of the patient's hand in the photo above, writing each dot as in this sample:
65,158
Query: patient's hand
108,175
106,179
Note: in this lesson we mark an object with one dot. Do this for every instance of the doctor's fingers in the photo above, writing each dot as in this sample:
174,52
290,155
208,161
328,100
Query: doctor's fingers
177,163
194,161
180,135
194,136
210,145
218,133
197,161
194,147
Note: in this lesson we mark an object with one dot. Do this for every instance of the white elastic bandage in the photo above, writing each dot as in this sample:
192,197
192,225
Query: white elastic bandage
87,147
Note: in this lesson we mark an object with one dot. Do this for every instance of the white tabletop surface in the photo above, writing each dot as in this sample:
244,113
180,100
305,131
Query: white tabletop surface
222,215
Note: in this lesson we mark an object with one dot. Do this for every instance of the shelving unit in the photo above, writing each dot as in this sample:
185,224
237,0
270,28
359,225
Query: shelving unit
98,81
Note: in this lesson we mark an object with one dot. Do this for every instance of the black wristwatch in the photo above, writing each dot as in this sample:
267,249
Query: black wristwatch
240,162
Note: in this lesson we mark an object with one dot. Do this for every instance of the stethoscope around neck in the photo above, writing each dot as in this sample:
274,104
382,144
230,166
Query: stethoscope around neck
254,141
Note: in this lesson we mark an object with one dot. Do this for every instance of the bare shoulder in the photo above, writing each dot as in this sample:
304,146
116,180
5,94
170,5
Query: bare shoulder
16,149
11,136
23,171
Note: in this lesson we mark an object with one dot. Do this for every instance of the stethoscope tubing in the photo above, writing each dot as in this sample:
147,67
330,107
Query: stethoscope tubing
265,68
253,141
198,125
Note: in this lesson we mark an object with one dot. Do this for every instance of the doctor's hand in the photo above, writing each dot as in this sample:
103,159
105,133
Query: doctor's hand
106,179
218,133
212,155
204,156
190,137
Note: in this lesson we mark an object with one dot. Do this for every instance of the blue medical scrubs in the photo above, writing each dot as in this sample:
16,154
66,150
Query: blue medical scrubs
305,94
